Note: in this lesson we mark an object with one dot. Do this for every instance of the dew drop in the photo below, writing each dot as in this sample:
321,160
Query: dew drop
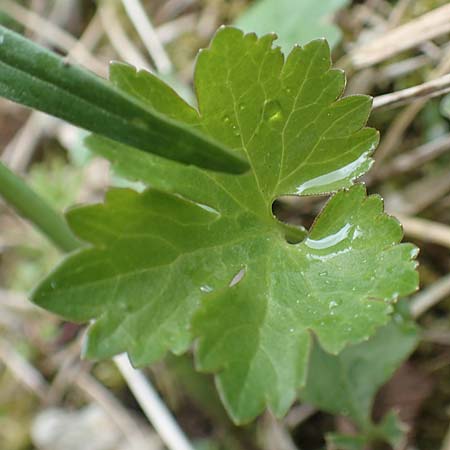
272,111
242,107
206,288
323,274
226,119
332,304
291,330
53,284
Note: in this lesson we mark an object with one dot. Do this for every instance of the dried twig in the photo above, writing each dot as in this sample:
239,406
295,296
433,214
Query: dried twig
275,435
412,34
17,301
393,136
124,46
149,37
71,371
436,336
20,149
120,415
425,230
416,157
24,372
155,410
51,33
420,194
171,9
430,296
299,414
169,31
398,12
402,68
429,89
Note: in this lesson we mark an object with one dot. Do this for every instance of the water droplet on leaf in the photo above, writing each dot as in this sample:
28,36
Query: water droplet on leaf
206,288
272,111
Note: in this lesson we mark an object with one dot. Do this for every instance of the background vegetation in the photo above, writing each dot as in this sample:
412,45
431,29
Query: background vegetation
49,399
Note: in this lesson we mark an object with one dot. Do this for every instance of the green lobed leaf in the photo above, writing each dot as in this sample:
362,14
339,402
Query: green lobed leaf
200,254
337,441
35,77
390,430
346,384
294,21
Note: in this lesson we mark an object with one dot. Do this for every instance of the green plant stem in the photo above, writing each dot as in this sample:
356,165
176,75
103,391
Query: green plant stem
35,209
37,78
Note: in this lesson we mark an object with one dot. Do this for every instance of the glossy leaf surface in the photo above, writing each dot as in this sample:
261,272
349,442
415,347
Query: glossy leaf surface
200,254
35,77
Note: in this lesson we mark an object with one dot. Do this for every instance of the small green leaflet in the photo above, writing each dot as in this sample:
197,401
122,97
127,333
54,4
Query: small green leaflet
294,21
200,254
390,430
346,384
